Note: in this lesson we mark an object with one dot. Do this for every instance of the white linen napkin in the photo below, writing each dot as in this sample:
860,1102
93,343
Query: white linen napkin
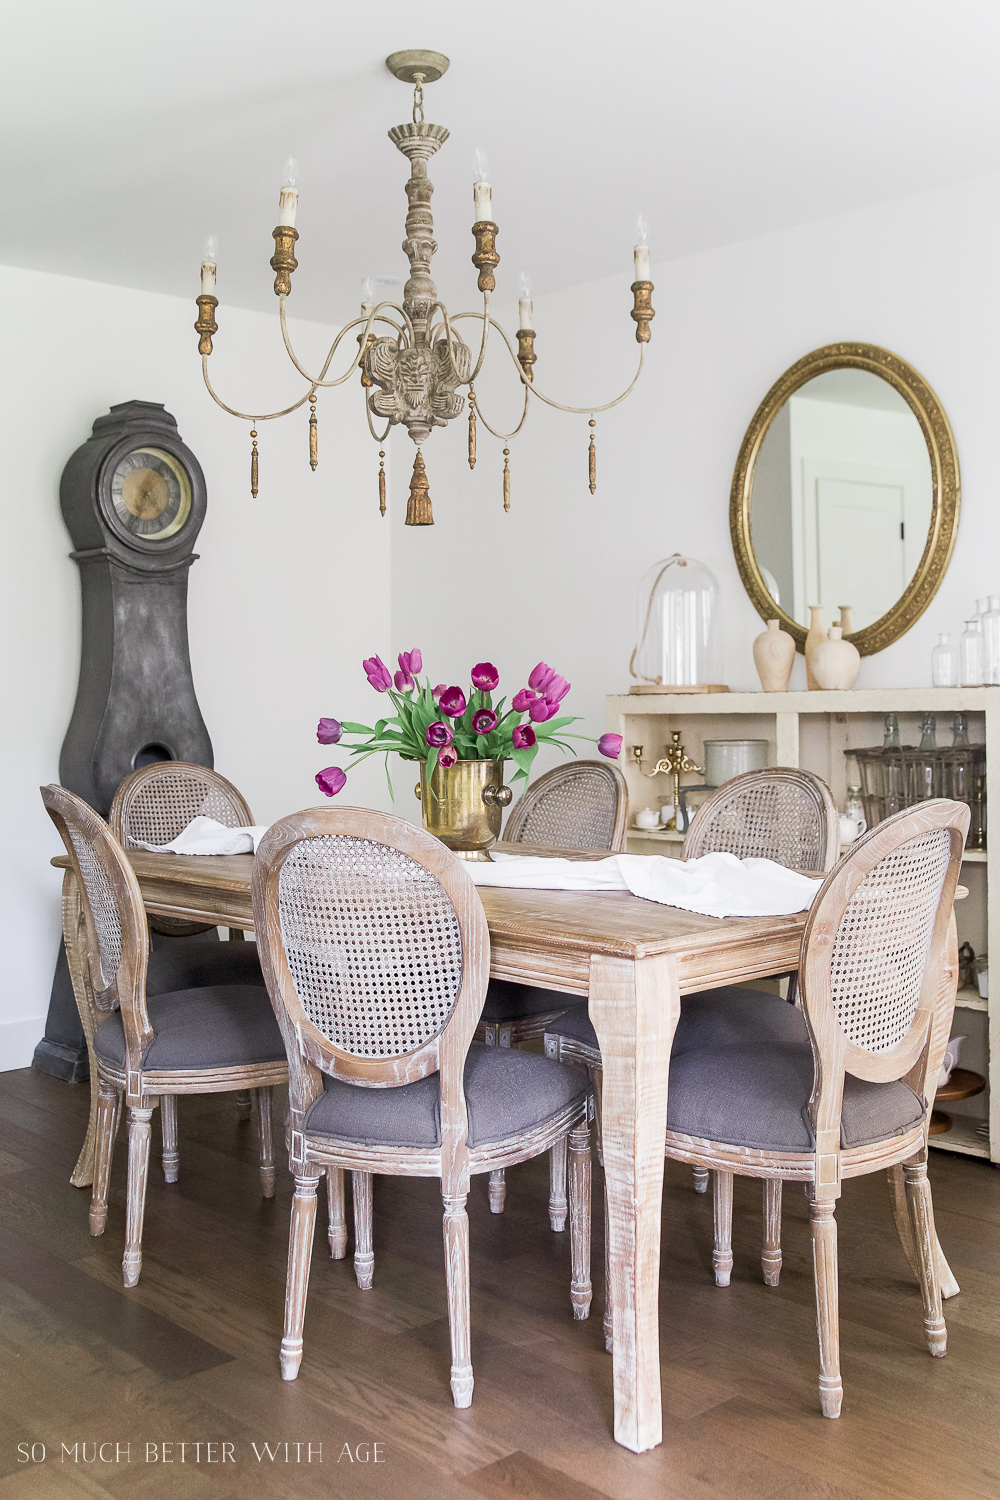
206,836
716,885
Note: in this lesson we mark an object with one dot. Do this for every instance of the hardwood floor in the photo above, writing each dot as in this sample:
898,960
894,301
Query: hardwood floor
191,1355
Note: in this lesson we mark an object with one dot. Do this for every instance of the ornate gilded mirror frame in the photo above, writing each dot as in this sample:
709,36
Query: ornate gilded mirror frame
945,504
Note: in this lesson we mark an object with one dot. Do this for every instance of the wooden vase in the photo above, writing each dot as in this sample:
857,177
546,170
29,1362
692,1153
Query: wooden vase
835,662
773,654
813,639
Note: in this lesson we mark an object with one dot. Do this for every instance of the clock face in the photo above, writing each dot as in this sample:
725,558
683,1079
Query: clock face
151,494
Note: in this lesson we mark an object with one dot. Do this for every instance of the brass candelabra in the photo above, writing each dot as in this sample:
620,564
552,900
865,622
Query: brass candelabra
674,763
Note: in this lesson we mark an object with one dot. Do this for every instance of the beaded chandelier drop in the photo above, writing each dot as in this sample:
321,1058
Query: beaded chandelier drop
411,356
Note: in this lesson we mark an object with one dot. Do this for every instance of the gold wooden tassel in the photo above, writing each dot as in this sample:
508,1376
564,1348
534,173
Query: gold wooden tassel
313,446
418,506
381,481
472,427
506,479
253,463
592,458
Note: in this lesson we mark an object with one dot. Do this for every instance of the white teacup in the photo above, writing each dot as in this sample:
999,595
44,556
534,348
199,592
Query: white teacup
851,828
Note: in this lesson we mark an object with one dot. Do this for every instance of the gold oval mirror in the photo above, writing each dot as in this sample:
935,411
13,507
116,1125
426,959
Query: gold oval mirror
846,494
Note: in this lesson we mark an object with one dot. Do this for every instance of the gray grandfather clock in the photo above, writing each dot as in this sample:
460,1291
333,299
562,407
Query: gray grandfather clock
133,499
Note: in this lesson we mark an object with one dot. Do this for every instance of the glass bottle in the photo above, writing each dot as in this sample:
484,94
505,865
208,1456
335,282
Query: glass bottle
991,640
855,808
928,732
960,729
970,653
891,737
944,663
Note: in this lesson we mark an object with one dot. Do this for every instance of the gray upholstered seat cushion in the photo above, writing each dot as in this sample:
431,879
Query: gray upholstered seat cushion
187,963
506,1091
741,1071
219,1026
716,1018
508,1001
756,1096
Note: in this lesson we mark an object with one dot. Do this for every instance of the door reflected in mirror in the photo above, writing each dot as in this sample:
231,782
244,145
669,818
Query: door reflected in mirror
841,498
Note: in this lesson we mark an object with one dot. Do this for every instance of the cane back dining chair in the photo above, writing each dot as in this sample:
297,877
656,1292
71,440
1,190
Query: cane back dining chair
376,953
853,1095
204,1040
152,806
582,805
783,814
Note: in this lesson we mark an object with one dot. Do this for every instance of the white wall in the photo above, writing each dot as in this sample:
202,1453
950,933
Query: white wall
290,592
557,577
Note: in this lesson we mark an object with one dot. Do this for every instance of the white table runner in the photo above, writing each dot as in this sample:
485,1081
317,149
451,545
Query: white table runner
716,885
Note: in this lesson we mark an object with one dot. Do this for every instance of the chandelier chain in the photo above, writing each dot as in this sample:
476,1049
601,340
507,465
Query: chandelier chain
418,99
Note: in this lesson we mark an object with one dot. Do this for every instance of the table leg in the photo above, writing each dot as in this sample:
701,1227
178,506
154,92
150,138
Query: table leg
75,938
634,1007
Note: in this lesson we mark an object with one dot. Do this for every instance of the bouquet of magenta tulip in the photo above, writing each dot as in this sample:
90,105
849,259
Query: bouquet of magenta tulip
442,725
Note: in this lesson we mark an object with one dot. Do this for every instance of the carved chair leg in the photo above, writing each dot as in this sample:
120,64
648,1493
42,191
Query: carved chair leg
108,1102
243,1104
263,1101
700,1175
921,1210
168,1131
498,1191
823,1228
337,1229
456,1266
557,1186
300,1239
581,1289
722,1213
139,1132
770,1258
897,1197
364,1254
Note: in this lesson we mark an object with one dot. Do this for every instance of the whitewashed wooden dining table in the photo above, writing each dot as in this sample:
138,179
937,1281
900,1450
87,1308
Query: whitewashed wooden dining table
633,959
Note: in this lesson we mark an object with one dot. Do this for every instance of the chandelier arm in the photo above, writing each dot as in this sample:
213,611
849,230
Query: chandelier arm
487,320
319,381
371,426
533,390
246,416
504,435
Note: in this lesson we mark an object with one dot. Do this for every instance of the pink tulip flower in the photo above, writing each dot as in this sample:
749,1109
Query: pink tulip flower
542,709
331,781
404,683
410,662
522,701
540,677
610,745
523,737
556,688
448,756
485,677
328,731
436,692
484,721
452,702
438,735
378,674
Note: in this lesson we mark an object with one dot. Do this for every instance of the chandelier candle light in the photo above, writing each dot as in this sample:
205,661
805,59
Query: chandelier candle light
412,374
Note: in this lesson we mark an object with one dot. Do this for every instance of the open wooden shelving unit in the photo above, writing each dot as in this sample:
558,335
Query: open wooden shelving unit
813,730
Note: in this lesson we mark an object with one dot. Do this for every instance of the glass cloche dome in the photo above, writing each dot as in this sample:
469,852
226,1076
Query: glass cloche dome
677,645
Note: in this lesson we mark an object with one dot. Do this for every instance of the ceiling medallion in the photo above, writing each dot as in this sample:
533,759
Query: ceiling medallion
411,357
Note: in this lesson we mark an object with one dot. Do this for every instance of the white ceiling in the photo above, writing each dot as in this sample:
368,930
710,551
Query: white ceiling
131,128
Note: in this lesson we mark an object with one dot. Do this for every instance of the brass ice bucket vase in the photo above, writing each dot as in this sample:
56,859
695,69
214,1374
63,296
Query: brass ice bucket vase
463,805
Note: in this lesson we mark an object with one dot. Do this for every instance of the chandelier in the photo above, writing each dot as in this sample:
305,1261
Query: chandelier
411,356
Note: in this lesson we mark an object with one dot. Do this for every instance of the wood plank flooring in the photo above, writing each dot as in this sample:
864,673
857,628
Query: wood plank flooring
191,1355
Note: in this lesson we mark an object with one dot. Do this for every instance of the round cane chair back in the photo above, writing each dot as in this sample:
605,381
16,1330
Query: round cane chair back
117,940
157,802
374,940
873,946
782,814
583,805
